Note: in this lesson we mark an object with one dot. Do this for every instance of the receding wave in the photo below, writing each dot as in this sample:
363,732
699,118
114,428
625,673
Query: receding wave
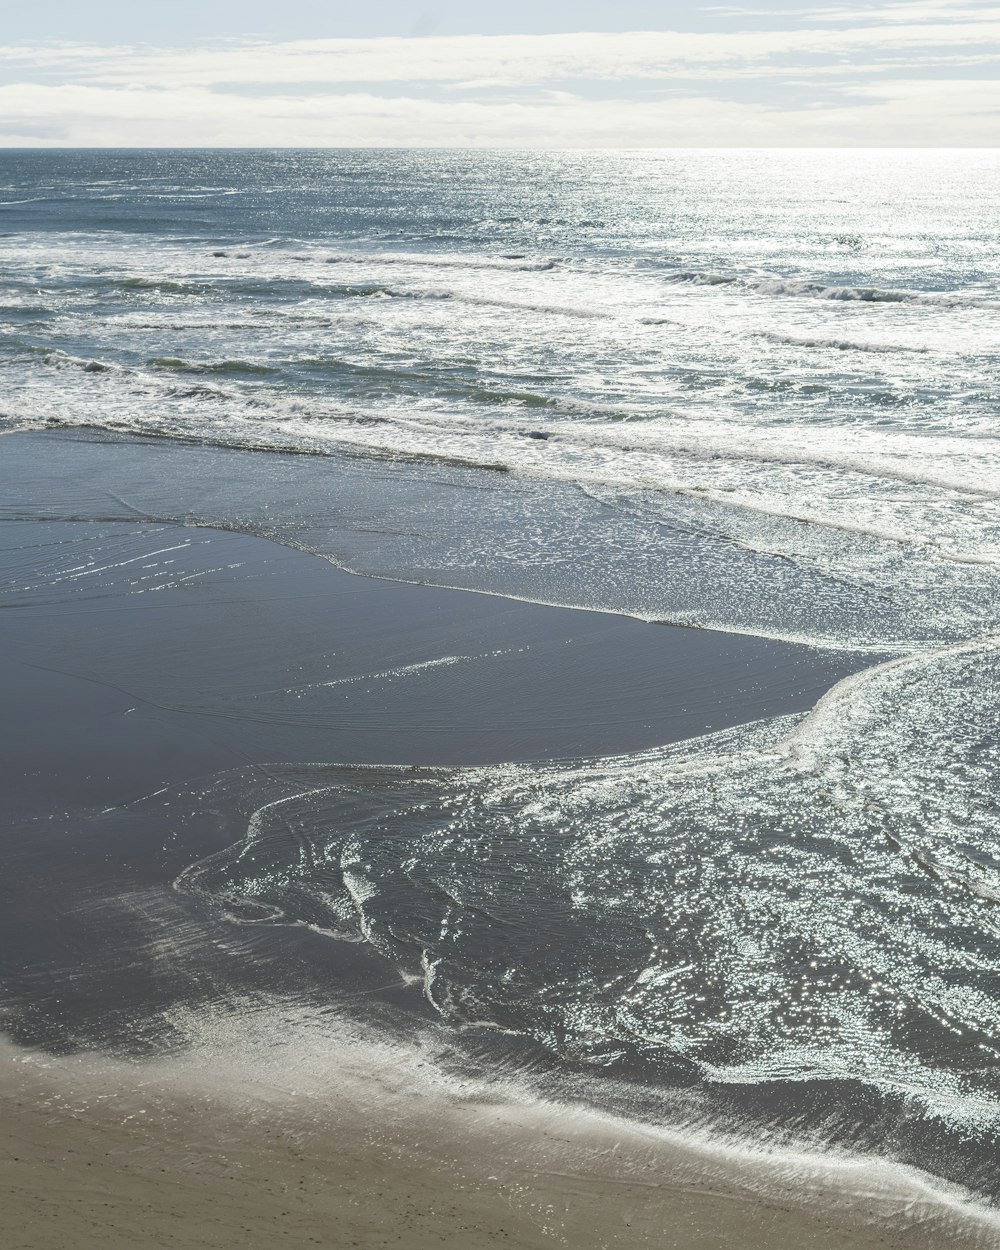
748,907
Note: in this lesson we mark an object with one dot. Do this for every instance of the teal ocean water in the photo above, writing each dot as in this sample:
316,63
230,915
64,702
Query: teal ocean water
752,392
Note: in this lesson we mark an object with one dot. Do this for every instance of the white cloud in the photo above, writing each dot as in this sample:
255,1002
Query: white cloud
900,114
917,11
510,59
894,80
912,11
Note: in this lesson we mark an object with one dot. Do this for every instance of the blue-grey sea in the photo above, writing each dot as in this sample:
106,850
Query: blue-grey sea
749,392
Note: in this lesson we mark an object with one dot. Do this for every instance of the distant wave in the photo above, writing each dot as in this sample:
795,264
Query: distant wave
63,360
703,278
487,301
517,262
160,284
871,294
822,290
444,386
178,365
249,286
842,345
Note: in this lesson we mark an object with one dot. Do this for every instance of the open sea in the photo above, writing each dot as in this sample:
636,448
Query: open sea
749,392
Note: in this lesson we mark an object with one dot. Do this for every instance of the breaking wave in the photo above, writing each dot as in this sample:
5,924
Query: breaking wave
849,294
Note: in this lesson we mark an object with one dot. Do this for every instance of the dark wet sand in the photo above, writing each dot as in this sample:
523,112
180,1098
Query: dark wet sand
138,654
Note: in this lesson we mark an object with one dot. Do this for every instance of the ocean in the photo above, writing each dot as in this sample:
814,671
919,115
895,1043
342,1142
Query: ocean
751,394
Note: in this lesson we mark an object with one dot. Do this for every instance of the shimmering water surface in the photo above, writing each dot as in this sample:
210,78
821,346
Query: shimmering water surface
754,392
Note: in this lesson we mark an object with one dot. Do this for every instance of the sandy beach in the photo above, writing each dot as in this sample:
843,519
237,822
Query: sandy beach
94,1154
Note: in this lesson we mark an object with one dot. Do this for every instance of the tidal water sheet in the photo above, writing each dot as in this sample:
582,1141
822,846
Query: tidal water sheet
749,392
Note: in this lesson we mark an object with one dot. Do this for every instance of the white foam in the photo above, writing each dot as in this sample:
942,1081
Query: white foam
324,1071
727,830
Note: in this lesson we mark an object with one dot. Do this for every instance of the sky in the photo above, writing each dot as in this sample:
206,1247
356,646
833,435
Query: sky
587,74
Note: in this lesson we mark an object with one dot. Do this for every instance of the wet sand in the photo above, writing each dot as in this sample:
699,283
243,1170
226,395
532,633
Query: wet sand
136,654
94,1156
139,656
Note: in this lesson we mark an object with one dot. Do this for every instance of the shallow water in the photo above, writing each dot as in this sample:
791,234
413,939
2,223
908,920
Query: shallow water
785,355
194,649
753,392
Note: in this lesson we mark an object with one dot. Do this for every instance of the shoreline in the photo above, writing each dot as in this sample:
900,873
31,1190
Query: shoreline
215,1150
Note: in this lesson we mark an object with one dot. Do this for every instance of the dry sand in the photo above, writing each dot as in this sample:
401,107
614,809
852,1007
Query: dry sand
104,1155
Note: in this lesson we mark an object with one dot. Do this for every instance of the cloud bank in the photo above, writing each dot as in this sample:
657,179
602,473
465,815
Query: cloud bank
903,74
